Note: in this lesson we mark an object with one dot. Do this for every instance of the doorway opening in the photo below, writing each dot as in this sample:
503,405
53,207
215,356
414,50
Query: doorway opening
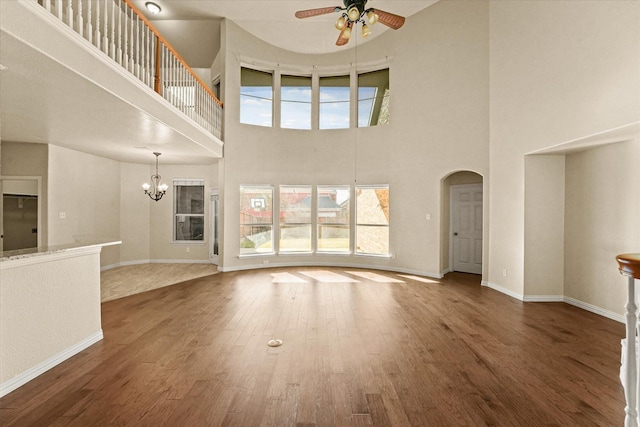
20,217
462,223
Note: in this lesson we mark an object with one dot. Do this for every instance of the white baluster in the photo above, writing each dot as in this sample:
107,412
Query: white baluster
79,18
105,30
125,50
47,5
143,55
631,361
132,62
89,29
112,45
59,9
97,37
119,52
137,48
70,13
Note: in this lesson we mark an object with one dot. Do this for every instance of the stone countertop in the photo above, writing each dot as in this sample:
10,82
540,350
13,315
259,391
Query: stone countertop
47,250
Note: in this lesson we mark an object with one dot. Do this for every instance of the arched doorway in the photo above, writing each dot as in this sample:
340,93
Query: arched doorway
462,222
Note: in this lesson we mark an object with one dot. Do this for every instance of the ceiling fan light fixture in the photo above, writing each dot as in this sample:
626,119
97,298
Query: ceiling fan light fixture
353,14
372,17
346,33
341,22
365,30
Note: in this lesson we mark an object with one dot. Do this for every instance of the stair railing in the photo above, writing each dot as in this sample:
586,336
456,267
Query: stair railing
122,32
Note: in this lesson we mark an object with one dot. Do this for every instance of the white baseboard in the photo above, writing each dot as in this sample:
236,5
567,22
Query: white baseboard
31,373
559,298
155,261
502,290
543,298
595,309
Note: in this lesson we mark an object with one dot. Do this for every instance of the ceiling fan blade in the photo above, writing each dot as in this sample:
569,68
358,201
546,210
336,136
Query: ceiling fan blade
391,20
315,12
341,39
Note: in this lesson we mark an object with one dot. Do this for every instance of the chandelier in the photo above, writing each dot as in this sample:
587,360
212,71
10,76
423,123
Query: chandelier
159,189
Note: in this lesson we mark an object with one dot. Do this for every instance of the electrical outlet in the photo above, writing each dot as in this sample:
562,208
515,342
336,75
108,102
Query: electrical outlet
504,272
188,249
62,215
265,261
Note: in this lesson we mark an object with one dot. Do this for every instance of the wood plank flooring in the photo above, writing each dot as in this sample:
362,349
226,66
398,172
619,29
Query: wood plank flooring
360,348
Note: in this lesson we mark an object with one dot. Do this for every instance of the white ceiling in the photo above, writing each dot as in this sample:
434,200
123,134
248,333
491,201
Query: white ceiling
270,20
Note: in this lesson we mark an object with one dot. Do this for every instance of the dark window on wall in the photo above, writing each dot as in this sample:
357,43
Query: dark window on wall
373,98
256,97
335,105
295,102
188,210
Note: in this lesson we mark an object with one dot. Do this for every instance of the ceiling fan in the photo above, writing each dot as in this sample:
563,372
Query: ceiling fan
354,11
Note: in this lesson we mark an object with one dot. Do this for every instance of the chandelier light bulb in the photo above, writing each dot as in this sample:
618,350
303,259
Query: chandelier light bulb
340,23
365,30
146,186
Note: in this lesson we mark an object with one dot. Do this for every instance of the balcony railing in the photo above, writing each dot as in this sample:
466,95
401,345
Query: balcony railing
122,32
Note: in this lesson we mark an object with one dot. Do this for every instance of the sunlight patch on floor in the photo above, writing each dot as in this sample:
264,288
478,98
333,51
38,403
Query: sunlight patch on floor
326,276
286,278
375,277
418,278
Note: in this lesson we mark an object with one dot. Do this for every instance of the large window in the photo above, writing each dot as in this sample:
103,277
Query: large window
333,218
188,210
295,218
373,98
256,97
256,220
334,102
372,220
295,98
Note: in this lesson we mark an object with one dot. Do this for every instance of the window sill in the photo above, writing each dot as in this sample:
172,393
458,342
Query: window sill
188,242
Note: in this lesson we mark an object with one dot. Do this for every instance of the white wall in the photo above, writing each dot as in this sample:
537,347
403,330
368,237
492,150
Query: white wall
544,227
135,213
560,70
601,221
439,79
161,215
86,188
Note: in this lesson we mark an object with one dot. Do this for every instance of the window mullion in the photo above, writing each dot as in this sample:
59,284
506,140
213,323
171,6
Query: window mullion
277,98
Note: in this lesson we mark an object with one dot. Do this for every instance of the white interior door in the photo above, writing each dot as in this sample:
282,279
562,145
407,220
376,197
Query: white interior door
466,228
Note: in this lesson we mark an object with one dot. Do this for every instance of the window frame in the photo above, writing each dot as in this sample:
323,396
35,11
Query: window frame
320,190
241,224
357,224
272,99
188,183
284,224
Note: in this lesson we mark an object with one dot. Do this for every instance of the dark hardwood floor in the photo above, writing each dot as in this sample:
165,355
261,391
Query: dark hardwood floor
357,351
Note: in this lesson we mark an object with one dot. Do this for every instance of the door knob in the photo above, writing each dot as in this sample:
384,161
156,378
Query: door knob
455,234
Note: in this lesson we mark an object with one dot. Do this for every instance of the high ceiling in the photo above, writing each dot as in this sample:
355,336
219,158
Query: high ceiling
193,27
46,99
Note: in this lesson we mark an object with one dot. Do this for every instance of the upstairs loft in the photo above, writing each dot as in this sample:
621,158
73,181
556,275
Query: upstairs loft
96,77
